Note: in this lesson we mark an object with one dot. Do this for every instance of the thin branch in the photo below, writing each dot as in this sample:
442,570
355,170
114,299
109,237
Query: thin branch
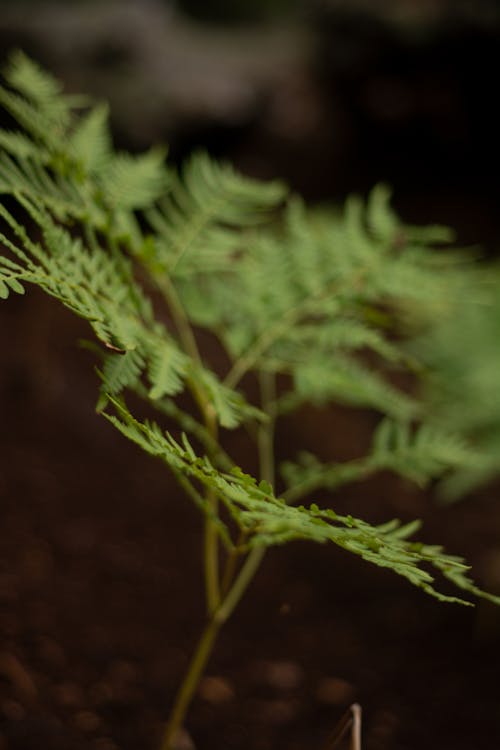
203,505
190,425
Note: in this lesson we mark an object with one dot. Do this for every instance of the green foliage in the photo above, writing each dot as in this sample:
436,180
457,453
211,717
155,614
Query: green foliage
462,386
324,300
266,520
420,455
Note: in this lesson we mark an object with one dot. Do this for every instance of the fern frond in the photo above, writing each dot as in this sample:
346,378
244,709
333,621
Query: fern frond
35,83
24,176
18,145
91,283
64,159
230,406
268,520
309,474
316,286
132,182
167,369
421,454
9,281
122,371
90,140
199,223
36,101
348,381
462,360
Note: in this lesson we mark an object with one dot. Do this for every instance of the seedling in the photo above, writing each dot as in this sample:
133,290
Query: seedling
307,306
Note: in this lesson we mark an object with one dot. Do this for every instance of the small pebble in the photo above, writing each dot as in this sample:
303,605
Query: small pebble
216,690
37,562
19,676
121,671
69,694
9,586
105,743
9,623
87,721
277,711
101,693
282,675
335,691
183,741
51,653
384,725
12,710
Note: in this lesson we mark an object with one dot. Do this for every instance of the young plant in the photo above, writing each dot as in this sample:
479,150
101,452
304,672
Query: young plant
309,307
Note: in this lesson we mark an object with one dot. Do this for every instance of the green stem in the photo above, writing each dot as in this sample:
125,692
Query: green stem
190,682
211,555
265,441
189,425
220,611
265,436
200,503
188,341
242,582
231,564
205,647
181,321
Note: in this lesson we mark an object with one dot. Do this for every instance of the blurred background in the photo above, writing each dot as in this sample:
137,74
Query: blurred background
100,588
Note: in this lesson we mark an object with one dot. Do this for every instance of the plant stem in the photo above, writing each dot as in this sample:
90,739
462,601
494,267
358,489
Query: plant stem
265,437
265,440
233,588
188,341
245,576
181,321
211,553
211,559
190,682
231,564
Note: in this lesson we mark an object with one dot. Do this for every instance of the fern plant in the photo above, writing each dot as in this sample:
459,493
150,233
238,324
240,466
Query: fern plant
309,307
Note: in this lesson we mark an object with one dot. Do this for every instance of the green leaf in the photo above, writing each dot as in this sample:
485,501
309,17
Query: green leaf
199,223
91,140
421,454
134,182
122,370
167,370
230,406
350,382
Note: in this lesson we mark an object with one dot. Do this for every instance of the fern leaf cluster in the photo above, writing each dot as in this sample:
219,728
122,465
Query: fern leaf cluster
268,520
305,299
462,384
321,299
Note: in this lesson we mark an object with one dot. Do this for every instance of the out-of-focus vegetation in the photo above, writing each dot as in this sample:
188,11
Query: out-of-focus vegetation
463,386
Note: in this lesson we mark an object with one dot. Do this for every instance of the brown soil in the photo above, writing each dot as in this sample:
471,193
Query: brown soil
101,596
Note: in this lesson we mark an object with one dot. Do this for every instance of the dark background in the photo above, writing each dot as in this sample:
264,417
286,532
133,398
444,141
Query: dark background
101,594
